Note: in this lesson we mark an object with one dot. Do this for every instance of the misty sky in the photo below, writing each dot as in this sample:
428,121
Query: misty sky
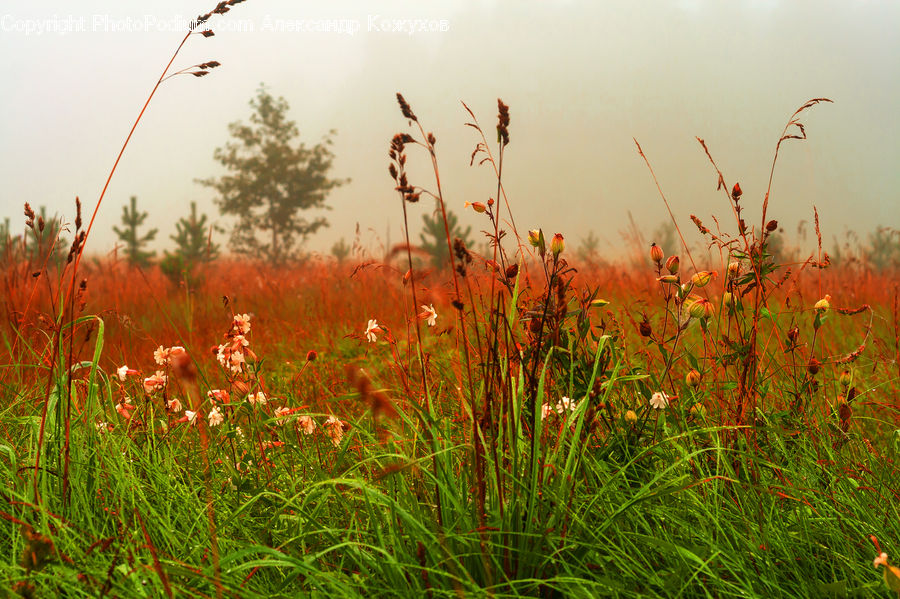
581,79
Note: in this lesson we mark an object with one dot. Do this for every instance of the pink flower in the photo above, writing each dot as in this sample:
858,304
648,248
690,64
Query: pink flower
306,424
218,395
242,323
546,410
237,361
335,430
215,417
659,400
257,398
371,329
124,409
161,355
175,405
221,356
428,312
565,404
881,560
156,382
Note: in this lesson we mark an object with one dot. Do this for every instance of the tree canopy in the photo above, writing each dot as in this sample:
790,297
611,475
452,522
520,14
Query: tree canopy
272,178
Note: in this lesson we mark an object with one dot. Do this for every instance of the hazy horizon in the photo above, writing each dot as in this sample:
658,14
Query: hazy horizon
581,79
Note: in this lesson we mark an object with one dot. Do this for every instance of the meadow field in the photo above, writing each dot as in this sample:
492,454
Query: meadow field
511,420
533,428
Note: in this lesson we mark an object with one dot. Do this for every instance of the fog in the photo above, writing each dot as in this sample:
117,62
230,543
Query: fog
582,79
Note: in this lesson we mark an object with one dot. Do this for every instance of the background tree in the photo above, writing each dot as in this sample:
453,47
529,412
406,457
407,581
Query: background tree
433,238
128,234
664,237
192,238
883,251
589,249
272,178
340,250
193,246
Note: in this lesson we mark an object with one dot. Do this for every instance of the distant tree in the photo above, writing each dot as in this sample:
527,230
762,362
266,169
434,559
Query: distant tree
340,250
664,237
589,249
7,243
883,251
193,246
433,238
128,234
192,238
271,179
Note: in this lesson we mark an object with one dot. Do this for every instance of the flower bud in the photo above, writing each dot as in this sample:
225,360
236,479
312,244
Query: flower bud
823,304
536,239
845,412
672,264
793,335
692,378
630,417
702,278
702,308
599,303
656,253
771,226
645,328
727,299
668,279
845,378
813,366
734,268
557,245
477,207
311,355
736,192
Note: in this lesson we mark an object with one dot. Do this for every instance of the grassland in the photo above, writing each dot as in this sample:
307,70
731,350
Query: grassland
462,489
716,424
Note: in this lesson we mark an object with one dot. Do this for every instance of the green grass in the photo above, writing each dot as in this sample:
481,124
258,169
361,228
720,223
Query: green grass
654,509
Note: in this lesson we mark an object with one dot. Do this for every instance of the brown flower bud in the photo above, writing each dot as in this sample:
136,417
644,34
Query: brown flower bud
645,328
692,378
672,264
813,366
793,335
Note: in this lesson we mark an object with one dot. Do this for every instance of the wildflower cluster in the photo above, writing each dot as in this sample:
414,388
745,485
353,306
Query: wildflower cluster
232,355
